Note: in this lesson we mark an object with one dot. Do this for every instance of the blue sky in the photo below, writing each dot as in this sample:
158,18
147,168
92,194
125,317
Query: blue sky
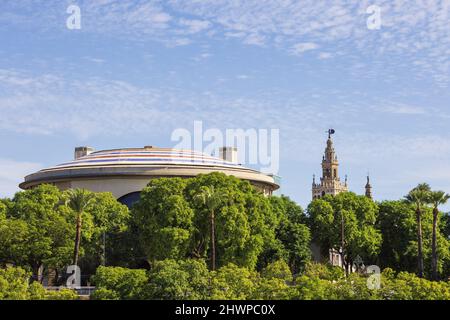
137,70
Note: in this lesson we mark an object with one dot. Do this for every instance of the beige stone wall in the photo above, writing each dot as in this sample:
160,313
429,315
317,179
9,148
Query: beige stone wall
117,186
122,186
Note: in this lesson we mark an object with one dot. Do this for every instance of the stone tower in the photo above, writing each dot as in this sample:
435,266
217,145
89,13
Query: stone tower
368,189
330,183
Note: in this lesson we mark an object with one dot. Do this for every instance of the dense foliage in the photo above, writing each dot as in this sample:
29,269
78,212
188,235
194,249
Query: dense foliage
217,237
37,228
346,222
190,279
397,222
173,220
15,285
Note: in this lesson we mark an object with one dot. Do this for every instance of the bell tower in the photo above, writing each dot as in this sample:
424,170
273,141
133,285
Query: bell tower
368,188
330,182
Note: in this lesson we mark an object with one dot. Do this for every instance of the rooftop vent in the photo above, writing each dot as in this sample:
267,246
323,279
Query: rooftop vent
82,151
228,154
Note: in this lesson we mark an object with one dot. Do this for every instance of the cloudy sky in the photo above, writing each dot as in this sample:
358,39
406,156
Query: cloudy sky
138,70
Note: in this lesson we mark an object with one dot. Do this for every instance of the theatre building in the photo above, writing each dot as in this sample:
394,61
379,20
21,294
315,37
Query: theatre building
125,172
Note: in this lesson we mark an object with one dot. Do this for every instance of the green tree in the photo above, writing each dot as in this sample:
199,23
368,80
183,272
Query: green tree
446,225
419,196
277,269
322,283
78,200
397,223
14,237
108,221
179,280
164,219
292,236
317,281
324,229
174,221
346,222
113,283
44,229
407,286
437,198
37,292
445,229
2,210
241,228
231,282
15,285
212,199
274,283
324,271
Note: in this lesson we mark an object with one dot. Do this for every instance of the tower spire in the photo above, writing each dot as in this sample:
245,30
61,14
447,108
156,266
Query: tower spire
368,188
330,183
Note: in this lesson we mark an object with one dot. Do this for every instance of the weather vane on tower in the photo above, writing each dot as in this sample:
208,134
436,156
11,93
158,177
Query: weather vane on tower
330,132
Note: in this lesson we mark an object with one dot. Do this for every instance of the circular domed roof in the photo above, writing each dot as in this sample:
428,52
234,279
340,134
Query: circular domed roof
147,161
144,156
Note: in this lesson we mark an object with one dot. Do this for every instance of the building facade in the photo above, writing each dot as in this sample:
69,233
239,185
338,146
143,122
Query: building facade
125,172
330,182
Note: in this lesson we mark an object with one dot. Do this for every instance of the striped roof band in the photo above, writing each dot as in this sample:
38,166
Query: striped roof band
151,157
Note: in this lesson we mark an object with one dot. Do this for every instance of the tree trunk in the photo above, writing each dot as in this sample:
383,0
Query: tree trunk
344,264
434,258
213,242
103,257
76,251
37,271
419,243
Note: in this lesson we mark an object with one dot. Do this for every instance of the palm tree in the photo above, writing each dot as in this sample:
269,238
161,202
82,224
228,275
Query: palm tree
419,197
344,265
211,199
78,200
437,198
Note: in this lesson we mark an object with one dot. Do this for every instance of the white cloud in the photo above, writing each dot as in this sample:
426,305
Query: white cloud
94,60
325,55
93,106
12,173
401,109
410,29
202,56
300,48
255,39
195,26
177,42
